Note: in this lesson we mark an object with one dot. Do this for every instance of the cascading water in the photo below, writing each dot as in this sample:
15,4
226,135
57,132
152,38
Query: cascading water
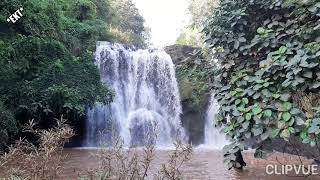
212,137
146,97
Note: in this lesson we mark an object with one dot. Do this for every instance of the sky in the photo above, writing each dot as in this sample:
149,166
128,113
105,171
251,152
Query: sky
166,18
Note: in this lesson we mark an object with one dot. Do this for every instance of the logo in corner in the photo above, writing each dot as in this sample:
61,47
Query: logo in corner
15,16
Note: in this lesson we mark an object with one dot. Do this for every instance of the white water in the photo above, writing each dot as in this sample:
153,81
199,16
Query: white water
213,138
146,98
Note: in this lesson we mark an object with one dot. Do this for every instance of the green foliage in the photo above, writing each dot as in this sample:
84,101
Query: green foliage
193,78
46,67
46,78
231,155
199,11
83,10
268,61
190,37
8,126
127,25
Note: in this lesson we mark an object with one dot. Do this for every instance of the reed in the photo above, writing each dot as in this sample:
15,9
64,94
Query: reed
24,160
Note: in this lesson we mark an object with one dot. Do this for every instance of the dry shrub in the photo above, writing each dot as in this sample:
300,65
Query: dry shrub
171,170
117,162
25,160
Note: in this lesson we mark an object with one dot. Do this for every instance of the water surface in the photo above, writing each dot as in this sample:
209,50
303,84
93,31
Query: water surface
205,164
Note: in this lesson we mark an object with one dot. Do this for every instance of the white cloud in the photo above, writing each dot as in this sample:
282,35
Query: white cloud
166,18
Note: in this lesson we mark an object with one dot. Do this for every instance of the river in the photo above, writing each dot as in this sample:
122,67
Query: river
205,164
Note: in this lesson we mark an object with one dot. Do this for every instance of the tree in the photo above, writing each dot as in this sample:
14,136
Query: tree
127,24
199,11
190,37
266,80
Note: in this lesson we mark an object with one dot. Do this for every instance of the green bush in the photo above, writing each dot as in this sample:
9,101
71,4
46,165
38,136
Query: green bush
267,79
42,80
8,126
84,9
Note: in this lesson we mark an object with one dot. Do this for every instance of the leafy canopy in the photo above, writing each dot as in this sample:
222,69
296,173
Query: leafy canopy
46,66
267,77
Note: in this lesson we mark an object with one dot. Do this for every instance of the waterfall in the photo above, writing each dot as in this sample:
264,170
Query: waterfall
212,136
146,97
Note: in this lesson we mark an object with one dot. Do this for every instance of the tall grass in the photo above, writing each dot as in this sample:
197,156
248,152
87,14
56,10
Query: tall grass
25,160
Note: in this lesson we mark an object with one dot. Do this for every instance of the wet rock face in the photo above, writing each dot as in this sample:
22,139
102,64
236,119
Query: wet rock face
193,121
179,53
193,114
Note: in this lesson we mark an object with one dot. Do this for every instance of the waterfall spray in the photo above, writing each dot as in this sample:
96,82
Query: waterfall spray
212,137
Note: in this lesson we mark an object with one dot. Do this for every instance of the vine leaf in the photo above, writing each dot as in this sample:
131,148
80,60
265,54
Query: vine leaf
286,116
275,133
256,110
314,129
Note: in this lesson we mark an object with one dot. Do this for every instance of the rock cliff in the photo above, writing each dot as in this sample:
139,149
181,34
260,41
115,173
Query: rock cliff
193,115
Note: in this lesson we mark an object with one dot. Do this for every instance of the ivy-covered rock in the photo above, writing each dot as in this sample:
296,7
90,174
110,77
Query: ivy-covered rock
267,78
192,76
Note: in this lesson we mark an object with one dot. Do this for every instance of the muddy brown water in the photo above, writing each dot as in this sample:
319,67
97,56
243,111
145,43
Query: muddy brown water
205,164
